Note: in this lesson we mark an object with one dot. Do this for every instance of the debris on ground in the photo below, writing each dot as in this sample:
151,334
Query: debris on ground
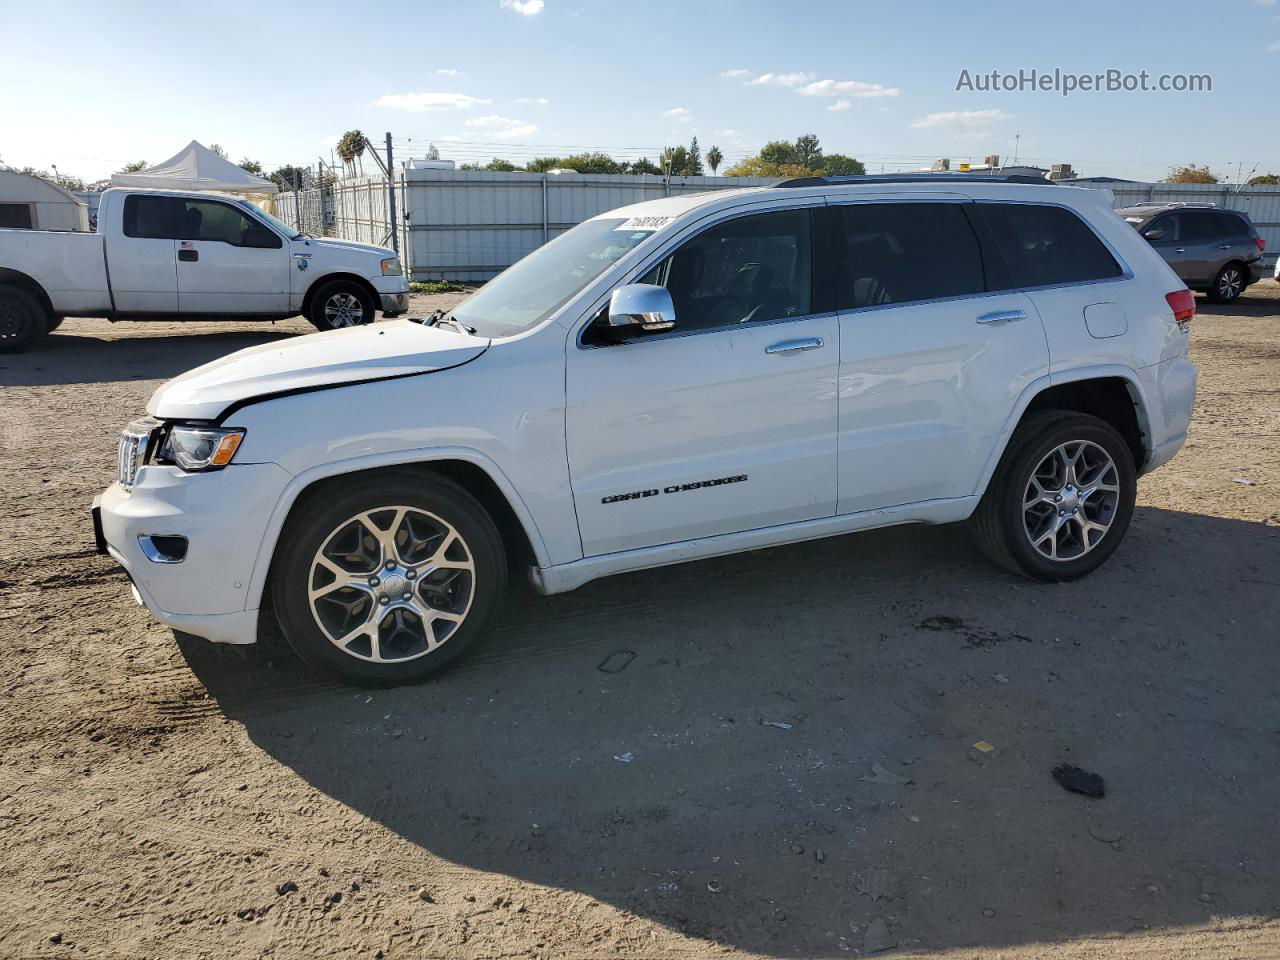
944,623
1105,834
287,887
714,886
1080,781
982,751
877,938
999,678
1244,480
775,723
880,775
616,662
624,757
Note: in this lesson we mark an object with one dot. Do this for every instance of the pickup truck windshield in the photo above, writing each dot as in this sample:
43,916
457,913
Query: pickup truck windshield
530,290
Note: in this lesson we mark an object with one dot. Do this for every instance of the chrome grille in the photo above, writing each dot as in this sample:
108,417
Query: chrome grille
135,442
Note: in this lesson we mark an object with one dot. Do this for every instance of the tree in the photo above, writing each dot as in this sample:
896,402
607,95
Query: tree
500,166
1266,180
219,149
838,165
644,165
133,167
351,146
759,167
780,153
1190,174
693,167
809,152
251,166
674,161
591,163
432,152
542,164
286,177
714,159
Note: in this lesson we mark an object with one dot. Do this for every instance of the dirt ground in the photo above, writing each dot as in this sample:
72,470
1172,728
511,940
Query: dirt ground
677,763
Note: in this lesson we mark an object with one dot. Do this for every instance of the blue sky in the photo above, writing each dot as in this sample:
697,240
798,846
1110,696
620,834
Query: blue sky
89,90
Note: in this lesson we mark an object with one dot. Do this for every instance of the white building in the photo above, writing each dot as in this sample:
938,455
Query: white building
31,203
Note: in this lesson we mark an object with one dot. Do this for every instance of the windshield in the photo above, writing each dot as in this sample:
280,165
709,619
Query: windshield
280,225
529,291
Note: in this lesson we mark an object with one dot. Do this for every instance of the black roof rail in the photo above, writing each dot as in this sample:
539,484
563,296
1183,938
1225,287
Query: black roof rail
914,178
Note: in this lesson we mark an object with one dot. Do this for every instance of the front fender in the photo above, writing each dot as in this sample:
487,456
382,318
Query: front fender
304,480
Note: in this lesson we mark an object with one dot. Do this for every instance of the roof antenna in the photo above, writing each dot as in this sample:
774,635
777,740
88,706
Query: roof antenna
1017,140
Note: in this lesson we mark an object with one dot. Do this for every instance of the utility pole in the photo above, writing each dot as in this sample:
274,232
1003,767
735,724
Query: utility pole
297,201
391,199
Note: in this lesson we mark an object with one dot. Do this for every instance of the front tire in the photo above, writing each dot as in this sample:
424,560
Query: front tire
22,320
1228,285
390,581
341,304
1061,499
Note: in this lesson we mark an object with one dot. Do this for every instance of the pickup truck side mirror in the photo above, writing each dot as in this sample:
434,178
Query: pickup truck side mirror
1154,235
641,307
259,237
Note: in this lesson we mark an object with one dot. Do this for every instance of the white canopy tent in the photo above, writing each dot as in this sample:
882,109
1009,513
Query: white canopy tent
196,167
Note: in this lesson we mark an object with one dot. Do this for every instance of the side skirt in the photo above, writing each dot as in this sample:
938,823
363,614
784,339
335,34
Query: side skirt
564,577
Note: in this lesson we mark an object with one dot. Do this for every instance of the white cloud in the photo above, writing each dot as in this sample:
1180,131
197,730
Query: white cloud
839,105
734,74
1274,48
526,8
448,72
679,113
780,79
962,118
851,88
727,133
503,127
420,102
540,101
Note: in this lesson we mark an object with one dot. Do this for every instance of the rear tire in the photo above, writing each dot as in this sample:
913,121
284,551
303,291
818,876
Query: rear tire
22,320
1022,527
54,323
389,581
341,304
1229,284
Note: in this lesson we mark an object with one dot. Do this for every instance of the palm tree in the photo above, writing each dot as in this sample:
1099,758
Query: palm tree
714,159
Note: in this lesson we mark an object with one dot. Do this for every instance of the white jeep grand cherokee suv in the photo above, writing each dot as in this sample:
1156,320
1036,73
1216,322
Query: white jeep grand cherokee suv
682,378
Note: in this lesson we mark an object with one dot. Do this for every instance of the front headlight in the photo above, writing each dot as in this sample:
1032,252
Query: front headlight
199,448
391,267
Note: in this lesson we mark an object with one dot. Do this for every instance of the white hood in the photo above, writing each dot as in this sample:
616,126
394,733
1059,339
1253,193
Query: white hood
353,245
373,352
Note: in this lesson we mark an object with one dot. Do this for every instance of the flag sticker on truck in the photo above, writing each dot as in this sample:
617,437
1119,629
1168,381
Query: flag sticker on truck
674,488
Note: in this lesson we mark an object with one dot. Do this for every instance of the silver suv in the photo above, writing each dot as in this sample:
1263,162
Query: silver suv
1215,251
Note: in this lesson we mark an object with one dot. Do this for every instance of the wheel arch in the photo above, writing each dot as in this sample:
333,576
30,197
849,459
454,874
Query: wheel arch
474,472
1111,393
28,284
361,282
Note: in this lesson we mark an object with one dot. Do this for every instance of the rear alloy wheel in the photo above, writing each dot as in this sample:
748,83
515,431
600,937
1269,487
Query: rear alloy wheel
22,320
339,305
1229,284
1061,499
390,582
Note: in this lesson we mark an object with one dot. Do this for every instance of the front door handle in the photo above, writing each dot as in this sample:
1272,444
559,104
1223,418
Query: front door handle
188,256
1003,316
1180,250
795,346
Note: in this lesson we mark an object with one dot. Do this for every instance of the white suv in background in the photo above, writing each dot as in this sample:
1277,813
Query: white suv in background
687,377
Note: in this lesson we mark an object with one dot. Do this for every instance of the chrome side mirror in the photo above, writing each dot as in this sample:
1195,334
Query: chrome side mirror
1154,235
642,305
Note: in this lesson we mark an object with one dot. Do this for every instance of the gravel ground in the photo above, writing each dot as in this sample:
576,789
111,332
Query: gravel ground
768,754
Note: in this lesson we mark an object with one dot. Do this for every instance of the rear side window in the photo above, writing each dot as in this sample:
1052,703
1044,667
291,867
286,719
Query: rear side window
1200,226
149,217
1043,245
1232,225
905,252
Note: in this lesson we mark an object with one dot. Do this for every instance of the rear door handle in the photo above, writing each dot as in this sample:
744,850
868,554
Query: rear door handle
1224,246
1003,316
795,346
188,256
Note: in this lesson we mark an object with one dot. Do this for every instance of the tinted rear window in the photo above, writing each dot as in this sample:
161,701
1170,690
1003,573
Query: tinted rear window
149,217
1232,225
1042,245
903,252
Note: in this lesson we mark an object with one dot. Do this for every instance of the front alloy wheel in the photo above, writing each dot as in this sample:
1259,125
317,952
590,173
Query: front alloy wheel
343,309
385,578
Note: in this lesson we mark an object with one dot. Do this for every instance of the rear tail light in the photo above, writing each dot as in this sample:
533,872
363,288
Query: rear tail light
1183,305
1262,244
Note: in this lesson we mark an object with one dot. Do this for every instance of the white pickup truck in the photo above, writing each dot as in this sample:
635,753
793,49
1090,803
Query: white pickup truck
161,254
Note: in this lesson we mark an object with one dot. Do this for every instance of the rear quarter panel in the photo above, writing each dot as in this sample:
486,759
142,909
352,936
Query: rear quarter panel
69,266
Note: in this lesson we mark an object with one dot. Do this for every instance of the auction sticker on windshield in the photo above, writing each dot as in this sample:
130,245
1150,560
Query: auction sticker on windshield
644,223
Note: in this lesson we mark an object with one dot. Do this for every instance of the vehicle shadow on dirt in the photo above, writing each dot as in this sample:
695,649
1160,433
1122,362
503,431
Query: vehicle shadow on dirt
722,747
1260,304
66,358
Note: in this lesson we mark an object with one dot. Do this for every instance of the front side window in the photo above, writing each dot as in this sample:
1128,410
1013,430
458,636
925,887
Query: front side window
1044,245
213,221
532,289
750,269
905,252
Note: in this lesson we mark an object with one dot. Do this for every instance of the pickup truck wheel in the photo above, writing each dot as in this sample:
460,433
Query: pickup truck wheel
22,320
341,304
54,323
1060,500
389,582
